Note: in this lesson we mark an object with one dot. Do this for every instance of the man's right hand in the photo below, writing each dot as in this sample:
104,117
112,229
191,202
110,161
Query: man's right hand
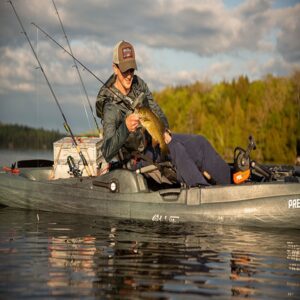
132,122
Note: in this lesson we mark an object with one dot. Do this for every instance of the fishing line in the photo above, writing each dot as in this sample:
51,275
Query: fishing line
36,78
79,75
66,125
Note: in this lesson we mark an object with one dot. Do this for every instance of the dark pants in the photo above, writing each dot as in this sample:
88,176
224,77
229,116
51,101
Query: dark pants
192,155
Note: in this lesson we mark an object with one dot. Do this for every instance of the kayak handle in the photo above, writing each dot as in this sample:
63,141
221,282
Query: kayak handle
112,185
170,194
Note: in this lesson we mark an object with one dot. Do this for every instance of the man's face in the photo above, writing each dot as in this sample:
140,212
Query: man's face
124,78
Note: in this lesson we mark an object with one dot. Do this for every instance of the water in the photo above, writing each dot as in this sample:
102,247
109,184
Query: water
7,157
60,256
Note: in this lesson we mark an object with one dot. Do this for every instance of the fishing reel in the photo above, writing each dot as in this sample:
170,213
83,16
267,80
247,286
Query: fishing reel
244,166
72,167
242,157
242,162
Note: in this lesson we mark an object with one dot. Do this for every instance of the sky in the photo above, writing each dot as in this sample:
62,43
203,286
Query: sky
176,42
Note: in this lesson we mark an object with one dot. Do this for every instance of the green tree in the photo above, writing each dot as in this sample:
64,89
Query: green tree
228,112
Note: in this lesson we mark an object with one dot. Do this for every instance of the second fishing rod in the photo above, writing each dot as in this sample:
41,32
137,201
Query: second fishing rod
66,125
75,65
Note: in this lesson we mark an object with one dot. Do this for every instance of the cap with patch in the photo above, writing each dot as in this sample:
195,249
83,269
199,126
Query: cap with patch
124,56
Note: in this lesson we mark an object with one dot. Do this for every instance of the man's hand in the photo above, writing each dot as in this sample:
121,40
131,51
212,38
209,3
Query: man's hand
132,121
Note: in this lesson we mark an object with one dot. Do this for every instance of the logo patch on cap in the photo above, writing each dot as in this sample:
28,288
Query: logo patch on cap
127,52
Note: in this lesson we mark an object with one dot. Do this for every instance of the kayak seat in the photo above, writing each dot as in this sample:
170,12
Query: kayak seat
121,181
34,163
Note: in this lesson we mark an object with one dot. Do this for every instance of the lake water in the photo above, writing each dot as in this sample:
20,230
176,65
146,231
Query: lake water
62,256
7,157
50,255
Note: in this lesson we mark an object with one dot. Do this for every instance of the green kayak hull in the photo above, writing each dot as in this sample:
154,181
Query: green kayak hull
125,194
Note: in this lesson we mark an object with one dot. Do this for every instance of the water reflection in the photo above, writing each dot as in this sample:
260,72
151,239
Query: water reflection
73,254
242,271
293,255
77,256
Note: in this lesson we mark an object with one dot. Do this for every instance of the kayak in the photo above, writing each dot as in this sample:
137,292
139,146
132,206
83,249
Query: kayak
123,193
274,202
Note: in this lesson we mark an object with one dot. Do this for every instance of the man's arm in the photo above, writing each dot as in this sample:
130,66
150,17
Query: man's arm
114,134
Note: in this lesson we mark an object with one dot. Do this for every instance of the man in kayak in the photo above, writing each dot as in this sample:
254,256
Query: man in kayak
192,155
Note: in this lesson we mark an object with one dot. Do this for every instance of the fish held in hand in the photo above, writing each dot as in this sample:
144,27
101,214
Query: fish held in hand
155,127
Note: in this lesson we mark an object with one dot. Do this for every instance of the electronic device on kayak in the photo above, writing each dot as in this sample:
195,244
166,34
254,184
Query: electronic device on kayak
244,166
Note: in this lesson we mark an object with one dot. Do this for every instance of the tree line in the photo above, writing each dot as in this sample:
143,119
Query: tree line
13,136
228,112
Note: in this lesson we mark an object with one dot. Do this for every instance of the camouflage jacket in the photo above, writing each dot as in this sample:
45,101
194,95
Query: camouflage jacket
113,109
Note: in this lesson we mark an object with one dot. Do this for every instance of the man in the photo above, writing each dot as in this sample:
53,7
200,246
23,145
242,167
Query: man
192,155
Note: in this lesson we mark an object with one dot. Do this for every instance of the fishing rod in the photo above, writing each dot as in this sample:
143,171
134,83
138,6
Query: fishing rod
67,127
78,61
75,64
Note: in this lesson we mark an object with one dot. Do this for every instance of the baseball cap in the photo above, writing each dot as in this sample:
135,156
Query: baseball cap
124,56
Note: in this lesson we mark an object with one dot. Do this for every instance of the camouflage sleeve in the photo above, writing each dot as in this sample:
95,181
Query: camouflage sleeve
102,98
115,132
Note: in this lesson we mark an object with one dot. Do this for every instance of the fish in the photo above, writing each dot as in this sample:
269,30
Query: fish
155,127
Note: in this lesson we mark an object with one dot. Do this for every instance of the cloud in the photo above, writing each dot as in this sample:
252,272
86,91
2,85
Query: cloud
205,27
15,70
288,42
202,27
